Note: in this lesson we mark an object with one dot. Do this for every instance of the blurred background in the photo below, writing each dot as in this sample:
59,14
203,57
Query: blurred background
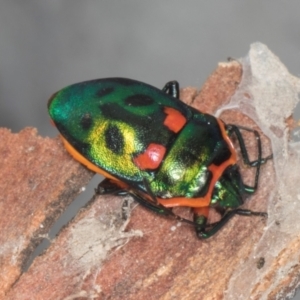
47,45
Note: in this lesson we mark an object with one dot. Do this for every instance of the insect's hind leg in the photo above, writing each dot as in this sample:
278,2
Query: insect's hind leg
207,230
234,129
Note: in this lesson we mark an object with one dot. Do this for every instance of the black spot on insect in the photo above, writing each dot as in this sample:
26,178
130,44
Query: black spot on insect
86,121
83,148
80,146
114,139
186,158
105,91
260,263
139,100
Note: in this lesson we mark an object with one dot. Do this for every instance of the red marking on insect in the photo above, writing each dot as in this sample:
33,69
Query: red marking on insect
151,158
174,120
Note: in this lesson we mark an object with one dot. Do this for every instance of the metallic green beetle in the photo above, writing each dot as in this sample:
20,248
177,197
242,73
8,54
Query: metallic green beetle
149,144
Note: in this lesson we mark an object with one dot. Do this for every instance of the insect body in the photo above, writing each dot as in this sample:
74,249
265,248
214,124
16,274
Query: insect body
149,144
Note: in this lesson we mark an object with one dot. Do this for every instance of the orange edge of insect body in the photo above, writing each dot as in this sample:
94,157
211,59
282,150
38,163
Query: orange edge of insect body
216,171
80,158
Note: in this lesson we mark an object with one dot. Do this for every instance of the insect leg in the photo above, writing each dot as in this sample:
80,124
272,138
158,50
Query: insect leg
209,230
108,186
237,131
255,163
200,219
172,88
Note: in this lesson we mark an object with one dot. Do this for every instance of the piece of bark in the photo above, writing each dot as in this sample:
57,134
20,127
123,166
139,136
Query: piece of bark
167,262
38,180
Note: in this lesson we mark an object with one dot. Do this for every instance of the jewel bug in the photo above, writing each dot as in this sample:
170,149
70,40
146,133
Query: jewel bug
150,145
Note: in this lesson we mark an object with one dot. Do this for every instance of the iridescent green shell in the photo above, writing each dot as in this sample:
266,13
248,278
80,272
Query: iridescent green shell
114,122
